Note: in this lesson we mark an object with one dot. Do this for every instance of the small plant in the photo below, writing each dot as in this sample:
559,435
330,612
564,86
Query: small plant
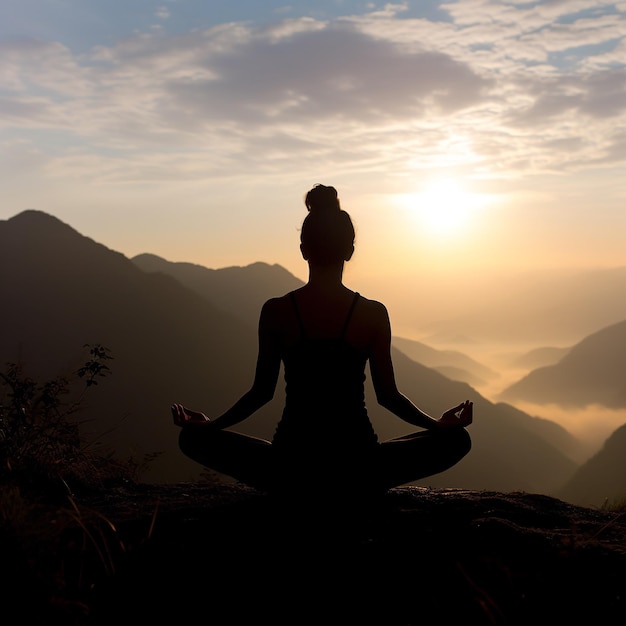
54,558
95,367
40,442
615,506
54,554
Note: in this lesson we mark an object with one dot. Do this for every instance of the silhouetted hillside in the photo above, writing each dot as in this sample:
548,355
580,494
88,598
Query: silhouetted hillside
456,373
450,363
602,478
65,290
592,372
539,357
240,291
508,446
171,345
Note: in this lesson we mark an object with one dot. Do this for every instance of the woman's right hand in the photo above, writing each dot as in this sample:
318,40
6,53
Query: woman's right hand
184,416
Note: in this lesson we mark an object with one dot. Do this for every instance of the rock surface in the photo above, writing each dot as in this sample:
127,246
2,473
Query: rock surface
225,554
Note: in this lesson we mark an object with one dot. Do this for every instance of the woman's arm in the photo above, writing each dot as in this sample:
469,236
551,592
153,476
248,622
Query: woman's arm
263,386
389,396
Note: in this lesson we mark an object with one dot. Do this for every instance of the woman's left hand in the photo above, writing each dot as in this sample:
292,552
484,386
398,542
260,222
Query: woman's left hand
461,415
184,416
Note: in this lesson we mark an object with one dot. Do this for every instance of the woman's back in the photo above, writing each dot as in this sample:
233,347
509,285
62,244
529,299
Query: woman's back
323,315
324,375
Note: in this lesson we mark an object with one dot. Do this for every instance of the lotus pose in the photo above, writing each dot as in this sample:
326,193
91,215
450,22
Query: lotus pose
324,334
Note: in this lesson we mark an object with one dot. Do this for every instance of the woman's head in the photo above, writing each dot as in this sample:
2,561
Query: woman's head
327,234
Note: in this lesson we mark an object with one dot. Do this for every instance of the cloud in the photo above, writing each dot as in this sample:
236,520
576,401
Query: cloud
162,12
333,73
40,67
497,89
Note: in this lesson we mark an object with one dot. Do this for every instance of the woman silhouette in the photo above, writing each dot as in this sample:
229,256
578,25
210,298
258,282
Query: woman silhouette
325,334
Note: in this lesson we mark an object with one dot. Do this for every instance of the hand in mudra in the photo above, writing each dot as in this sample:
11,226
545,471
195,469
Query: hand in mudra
184,416
460,415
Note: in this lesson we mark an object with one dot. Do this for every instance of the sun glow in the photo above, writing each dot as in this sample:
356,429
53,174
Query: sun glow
444,207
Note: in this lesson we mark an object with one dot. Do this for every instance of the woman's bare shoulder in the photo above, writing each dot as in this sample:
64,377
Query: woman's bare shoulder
277,303
276,309
373,307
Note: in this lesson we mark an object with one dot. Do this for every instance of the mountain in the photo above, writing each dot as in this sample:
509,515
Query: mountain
240,291
539,357
602,479
217,287
169,344
503,438
450,363
62,290
592,372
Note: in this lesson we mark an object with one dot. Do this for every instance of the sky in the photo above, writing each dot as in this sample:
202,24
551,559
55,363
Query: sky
464,138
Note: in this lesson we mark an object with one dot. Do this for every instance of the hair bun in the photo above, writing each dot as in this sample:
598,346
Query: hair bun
322,198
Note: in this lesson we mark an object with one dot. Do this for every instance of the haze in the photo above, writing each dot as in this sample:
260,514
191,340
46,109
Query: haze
476,144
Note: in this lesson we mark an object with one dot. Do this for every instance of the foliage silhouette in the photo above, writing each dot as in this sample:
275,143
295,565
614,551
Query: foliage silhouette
55,553
41,447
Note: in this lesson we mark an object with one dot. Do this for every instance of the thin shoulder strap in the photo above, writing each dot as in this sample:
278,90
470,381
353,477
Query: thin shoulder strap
297,312
349,316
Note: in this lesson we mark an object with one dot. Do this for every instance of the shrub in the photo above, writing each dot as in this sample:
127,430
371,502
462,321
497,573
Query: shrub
40,442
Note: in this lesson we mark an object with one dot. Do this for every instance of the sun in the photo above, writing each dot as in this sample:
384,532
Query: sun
444,207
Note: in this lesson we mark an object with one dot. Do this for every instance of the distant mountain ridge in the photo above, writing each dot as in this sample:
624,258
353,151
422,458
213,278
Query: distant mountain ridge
240,291
602,479
591,372
65,290
540,357
170,344
450,363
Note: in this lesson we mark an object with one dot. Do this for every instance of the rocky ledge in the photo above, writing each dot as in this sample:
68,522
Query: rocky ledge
224,554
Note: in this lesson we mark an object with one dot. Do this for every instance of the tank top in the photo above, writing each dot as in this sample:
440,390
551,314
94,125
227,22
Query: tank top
325,397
